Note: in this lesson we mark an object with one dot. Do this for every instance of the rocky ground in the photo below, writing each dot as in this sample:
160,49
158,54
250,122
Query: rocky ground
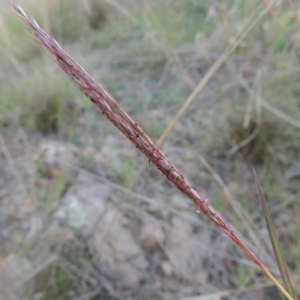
72,228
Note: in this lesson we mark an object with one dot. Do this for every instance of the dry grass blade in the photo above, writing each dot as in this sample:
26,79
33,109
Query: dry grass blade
237,207
280,114
275,243
202,84
209,75
121,120
114,113
229,293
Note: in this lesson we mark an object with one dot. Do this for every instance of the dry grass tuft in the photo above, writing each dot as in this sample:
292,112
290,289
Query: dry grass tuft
255,139
97,12
46,118
151,54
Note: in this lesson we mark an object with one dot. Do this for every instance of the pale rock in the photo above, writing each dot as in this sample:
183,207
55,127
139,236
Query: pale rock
189,155
13,278
183,251
167,268
18,206
33,227
151,233
24,210
180,202
110,151
57,157
87,209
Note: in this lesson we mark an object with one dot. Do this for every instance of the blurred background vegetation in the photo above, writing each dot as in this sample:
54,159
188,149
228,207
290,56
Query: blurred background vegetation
71,225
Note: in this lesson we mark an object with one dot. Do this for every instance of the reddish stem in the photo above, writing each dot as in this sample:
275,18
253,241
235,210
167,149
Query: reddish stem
112,110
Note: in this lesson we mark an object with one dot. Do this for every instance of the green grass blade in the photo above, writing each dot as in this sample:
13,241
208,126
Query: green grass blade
275,243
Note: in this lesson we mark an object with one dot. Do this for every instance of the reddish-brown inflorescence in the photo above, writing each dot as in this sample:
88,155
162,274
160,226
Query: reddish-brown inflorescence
112,110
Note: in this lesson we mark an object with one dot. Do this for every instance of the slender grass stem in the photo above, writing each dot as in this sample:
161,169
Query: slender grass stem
109,107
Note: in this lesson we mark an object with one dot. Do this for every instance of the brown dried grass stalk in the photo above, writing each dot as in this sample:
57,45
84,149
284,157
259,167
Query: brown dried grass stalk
114,113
